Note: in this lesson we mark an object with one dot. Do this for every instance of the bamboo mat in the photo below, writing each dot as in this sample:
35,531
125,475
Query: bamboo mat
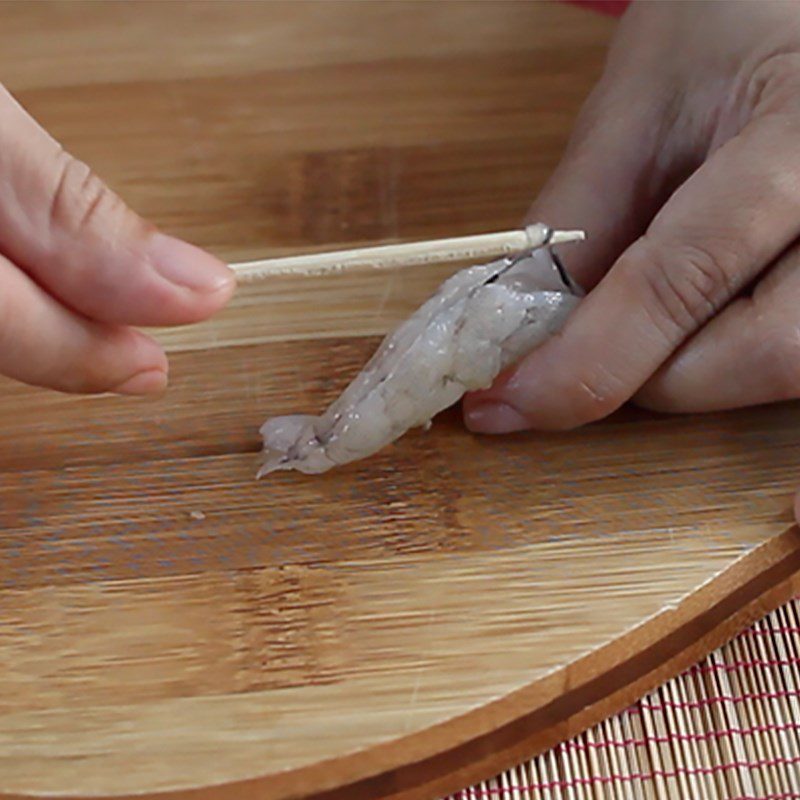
726,729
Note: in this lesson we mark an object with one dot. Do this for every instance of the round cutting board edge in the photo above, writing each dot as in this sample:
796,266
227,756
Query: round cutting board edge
477,745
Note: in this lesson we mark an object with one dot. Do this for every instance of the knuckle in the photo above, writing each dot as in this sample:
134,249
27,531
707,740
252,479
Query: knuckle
78,196
682,286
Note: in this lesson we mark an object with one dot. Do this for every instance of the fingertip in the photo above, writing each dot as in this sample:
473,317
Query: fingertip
145,351
200,284
493,417
136,365
151,382
189,267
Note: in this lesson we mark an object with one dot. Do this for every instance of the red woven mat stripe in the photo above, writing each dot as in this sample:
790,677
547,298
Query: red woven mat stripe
612,7
727,729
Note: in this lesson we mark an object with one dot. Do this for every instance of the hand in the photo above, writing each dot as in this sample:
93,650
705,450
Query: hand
684,168
77,268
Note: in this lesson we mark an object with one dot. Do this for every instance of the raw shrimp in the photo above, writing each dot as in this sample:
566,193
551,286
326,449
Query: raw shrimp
481,320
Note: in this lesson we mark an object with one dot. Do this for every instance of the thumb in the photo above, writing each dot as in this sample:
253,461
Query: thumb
727,223
81,243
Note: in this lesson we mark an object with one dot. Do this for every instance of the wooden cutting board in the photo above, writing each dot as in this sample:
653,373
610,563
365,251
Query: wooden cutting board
169,627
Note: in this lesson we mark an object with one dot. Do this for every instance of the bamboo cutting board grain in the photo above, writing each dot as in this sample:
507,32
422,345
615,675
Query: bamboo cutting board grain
401,627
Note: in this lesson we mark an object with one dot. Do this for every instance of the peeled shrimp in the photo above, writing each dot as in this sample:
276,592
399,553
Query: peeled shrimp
481,320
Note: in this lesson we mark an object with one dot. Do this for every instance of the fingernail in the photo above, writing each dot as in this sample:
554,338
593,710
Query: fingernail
151,381
493,417
188,266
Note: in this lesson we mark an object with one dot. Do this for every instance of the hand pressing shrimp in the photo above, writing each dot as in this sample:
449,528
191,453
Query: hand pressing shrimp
683,169
480,321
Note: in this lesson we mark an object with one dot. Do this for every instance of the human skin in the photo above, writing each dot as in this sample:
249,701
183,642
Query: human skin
78,269
684,169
